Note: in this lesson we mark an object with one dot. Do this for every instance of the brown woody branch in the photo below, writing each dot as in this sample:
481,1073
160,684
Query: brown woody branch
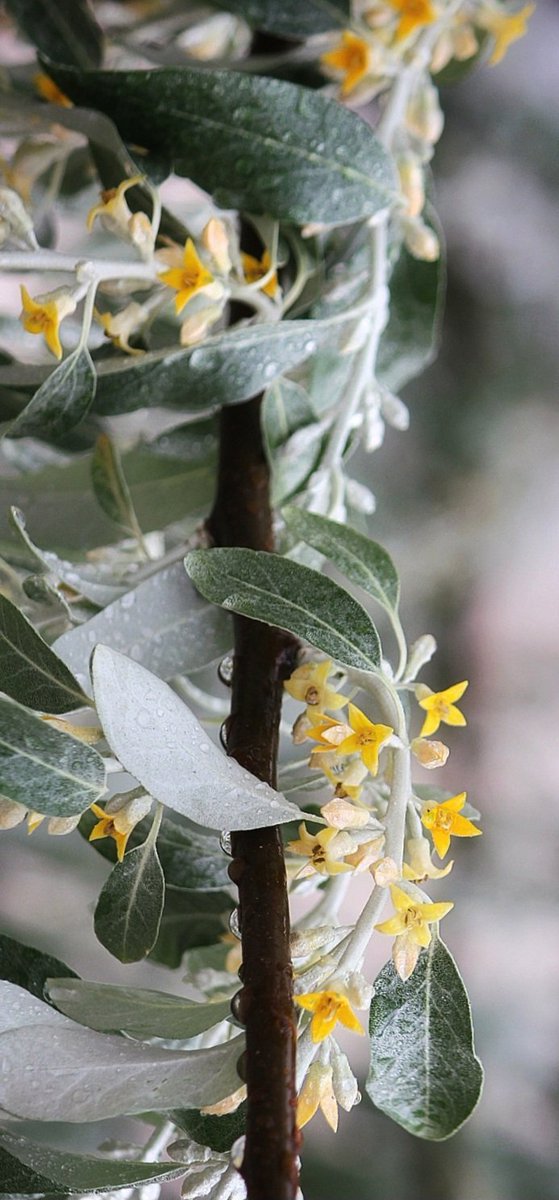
264,657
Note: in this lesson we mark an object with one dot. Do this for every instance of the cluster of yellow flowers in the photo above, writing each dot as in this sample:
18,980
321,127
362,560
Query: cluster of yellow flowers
209,274
350,753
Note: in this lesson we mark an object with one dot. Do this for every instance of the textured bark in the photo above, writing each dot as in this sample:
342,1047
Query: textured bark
263,658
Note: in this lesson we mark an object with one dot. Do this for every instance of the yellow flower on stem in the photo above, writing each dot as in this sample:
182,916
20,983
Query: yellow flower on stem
45,313
189,278
50,91
351,58
309,683
366,739
414,14
327,731
118,822
419,866
320,852
443,822
506,28
117,218
410,926
317,1092
440,706
328,1008
120,327
257,268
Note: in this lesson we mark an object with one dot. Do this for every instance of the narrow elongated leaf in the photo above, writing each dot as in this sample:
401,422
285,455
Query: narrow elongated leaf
28,1169
188,633
136,1011
361,560
110,486
27,967
130,905
424,1072
94,583
88,1076
410,341
280,592
158,740
65,30
286,407
257,144
30,671
291,19
44,769
218,1133
61,402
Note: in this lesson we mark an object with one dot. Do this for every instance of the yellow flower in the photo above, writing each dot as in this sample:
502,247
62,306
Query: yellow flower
328,1008
44,314
118,822
317,1092
117,218
49,90
351,58
316,847
34,819
419,865
366,739
414,14
309,683
505,28
189,278
327,732
443,822
440,706
257,268
120,326
410,926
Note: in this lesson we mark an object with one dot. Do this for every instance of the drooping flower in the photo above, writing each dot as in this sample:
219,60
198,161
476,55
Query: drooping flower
410,926
215,239
120,327
443,822
317,1092
44,313
327,731
366,739
328,1008
116,216
256,268
323,850
309,683
188,279
440,706
506,28
414,14
418,865
351,58
118,819
12,813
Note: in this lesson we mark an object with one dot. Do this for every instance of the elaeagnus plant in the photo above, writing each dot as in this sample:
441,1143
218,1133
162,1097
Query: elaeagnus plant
222,226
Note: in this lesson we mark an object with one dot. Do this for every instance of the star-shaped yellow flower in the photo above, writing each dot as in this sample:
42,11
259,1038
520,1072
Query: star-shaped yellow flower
328,1008
257,268
440,706
367,739
327,731
113,209
443,822
506,28
188,279
419,865
309,683
44,314
107,827
118,823
410,926
351,58
316,847
414,14
317,1092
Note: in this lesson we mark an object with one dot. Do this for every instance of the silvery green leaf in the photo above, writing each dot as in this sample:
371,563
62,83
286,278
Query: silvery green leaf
294,461
61,402
286,407
191,442
85,579
257,144
130,905
424,1072
190,919
28,1169
30,672
191,860
110,486
88,1076
280,592
188,633
159,741
218,1133
27,967
136,1011
411,337
45,769
291,19
360,559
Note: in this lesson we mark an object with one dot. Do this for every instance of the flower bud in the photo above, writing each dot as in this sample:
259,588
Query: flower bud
411,183
385,872
341,814
344,1083
215,239
11,813
59,826
421,241
429,754
421,652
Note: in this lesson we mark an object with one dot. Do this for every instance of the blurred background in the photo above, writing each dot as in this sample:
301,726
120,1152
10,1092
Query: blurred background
468,505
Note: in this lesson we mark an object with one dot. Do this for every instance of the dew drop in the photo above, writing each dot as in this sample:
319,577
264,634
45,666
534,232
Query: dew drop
225,670
235,923
225,842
